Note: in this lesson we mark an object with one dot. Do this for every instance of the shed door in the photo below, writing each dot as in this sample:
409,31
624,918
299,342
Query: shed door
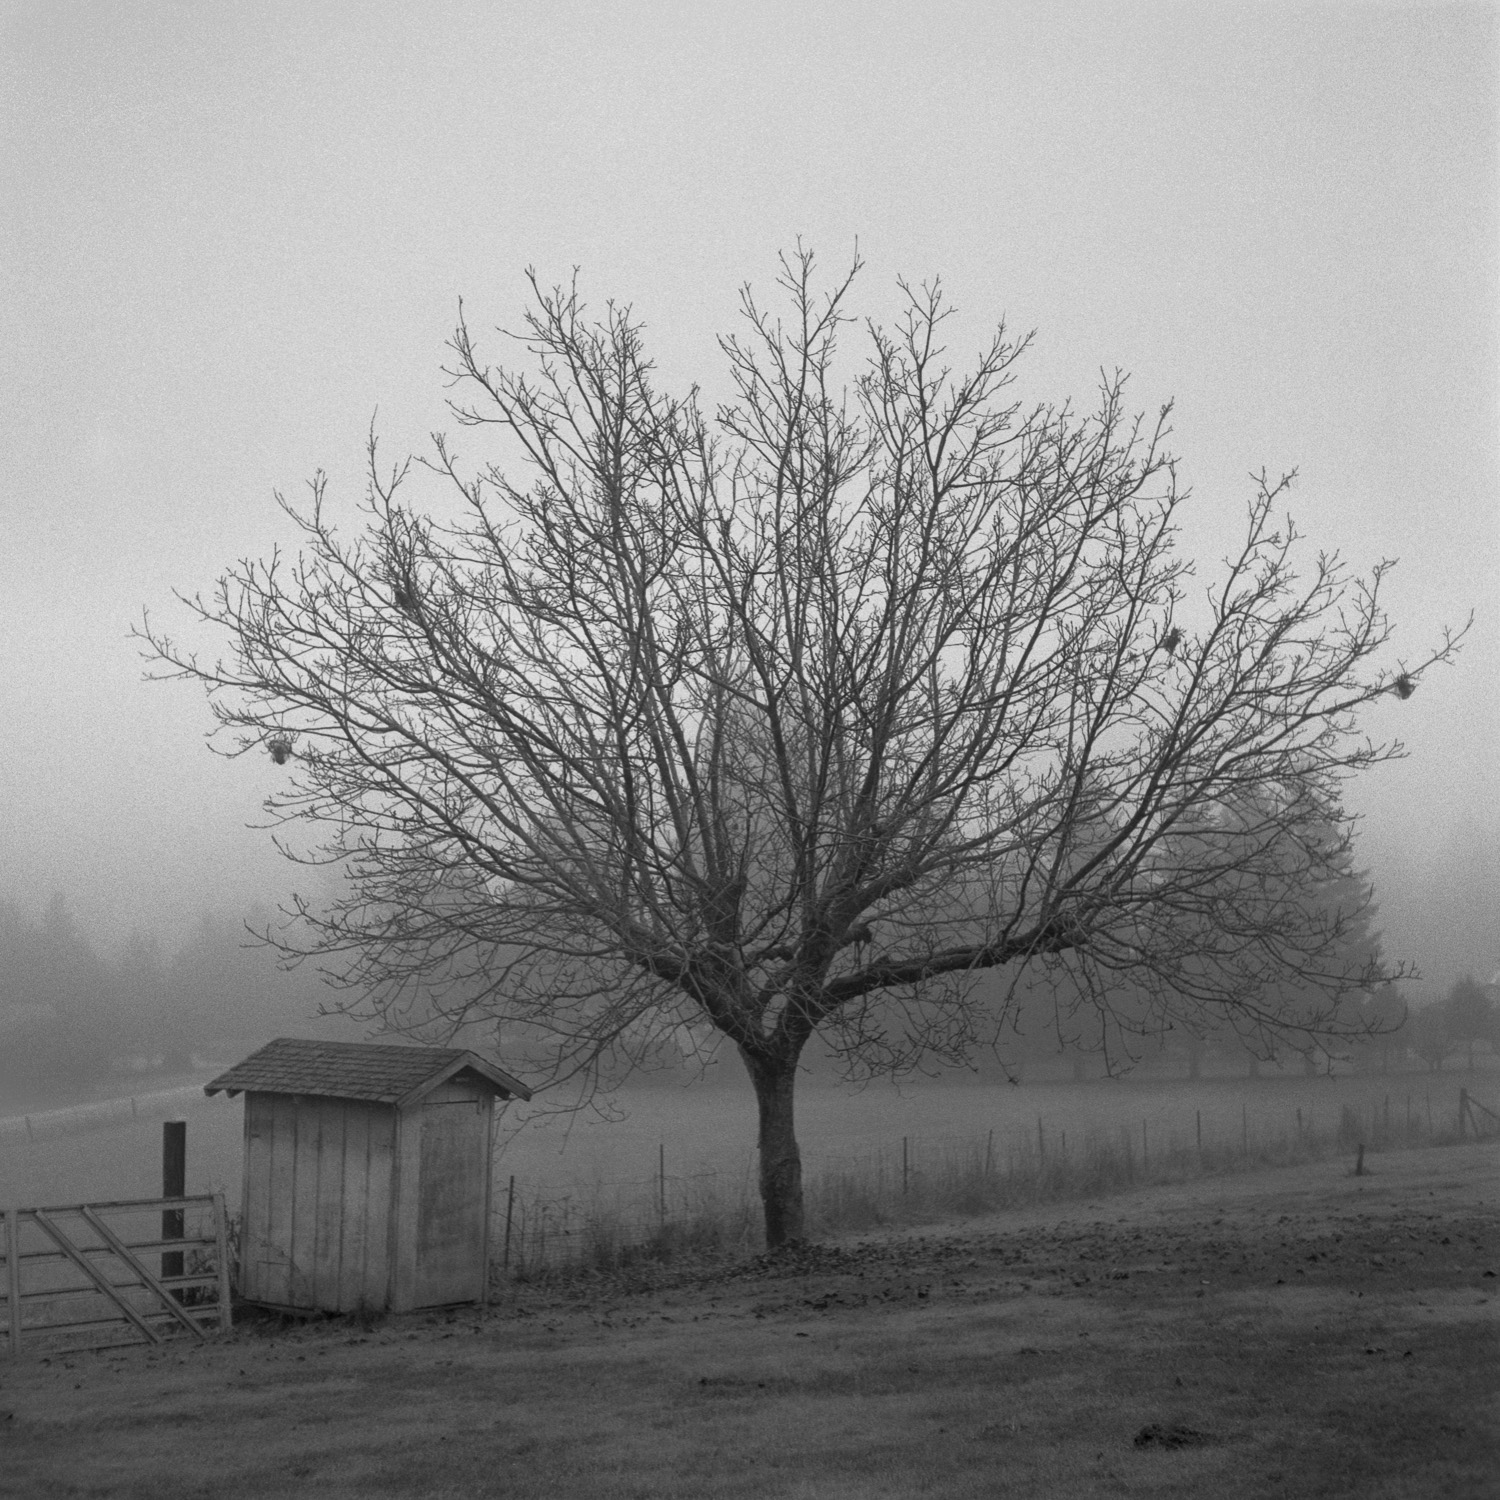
451,1203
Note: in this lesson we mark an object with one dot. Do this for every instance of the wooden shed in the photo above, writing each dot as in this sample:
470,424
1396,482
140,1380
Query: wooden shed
367,1174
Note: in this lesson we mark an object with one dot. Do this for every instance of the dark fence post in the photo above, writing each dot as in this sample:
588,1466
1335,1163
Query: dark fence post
173,1185
510,1206
13,1273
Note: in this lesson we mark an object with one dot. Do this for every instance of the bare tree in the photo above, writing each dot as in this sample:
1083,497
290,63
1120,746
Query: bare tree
794,718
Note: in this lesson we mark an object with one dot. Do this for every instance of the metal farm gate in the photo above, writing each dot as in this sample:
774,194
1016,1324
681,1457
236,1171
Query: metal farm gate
93,1275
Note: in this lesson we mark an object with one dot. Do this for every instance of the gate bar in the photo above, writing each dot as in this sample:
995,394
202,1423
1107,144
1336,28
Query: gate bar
118,1245
93,1273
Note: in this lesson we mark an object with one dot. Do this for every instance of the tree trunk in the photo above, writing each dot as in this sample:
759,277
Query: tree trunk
780,1160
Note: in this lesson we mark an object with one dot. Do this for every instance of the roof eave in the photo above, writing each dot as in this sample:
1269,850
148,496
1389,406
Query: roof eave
468,1062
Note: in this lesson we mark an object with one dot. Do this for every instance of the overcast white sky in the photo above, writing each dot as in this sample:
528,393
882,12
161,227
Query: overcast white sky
228,232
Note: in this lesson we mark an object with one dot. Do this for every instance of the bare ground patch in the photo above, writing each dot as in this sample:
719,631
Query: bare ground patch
1297,1332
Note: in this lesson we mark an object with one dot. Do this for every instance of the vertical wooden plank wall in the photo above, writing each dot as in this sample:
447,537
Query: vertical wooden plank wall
489,1199
449,1215
328,1207
408,1166
318,1200
280,1204
355,1208
261,1255
245,1201
305,1131
332,1193
380,1210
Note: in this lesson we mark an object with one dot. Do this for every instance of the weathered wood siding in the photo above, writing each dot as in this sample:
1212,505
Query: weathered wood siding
317,1206
442,1238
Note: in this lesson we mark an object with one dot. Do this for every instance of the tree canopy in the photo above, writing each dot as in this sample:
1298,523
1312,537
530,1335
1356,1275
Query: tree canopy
794,716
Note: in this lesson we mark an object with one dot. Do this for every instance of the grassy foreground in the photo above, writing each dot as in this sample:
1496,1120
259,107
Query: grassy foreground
1296,1332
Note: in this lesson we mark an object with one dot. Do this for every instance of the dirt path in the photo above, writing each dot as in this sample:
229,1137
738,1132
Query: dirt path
1296,1332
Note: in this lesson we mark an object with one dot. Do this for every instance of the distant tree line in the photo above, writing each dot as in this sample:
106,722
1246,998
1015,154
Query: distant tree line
1466,1018
1045,1024
1401,1035
1048,1035
1461,1026
70,1013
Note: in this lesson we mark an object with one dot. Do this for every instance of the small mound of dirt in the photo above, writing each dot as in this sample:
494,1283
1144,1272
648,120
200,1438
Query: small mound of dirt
804,1257
1170,1435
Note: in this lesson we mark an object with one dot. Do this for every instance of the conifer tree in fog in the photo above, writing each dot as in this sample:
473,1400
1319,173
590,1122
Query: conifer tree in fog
793,716
1469,1013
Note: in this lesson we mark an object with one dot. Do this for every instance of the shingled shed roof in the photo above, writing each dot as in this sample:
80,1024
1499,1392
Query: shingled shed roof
356,1070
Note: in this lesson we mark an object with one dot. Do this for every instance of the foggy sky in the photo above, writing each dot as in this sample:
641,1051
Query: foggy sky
229,233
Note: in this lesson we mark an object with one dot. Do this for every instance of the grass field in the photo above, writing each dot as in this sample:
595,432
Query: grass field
1292,1332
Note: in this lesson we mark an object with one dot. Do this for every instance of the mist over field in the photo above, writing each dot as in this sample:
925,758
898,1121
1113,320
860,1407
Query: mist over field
698,1132
1283,217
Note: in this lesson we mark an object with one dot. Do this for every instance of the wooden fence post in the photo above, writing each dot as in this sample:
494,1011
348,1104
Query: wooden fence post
221,1249
173,1185
510,1204
13,1275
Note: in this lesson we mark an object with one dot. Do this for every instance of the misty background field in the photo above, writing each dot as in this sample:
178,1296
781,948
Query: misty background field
675,1153
98,1046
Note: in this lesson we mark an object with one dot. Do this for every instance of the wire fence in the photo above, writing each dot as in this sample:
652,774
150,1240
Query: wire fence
611,1224
102,1114
542,1228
